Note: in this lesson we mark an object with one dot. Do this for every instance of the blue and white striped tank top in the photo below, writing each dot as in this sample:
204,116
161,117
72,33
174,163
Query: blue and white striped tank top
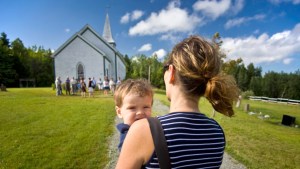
194,141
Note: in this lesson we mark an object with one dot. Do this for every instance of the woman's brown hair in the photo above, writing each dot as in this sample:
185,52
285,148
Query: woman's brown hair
198,67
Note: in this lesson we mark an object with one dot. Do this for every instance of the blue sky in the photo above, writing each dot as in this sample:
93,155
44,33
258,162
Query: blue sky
264,32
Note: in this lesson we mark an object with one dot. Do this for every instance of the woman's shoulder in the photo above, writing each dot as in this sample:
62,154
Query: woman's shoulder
140,130
138,140
140,125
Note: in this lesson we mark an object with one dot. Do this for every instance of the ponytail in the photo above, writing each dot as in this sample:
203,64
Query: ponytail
221,91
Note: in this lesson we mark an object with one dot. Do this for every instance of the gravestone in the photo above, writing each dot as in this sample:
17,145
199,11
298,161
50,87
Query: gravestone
3,88
239,101
247,107
288,120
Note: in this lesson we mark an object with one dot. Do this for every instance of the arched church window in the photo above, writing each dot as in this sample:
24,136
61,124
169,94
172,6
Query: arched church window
80,71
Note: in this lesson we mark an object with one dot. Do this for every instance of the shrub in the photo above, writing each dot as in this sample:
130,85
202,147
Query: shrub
247,93
53,86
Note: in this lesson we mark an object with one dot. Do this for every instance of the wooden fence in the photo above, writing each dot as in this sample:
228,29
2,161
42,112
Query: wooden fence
275,100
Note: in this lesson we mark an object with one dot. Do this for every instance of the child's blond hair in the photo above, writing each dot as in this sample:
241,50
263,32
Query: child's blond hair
140,87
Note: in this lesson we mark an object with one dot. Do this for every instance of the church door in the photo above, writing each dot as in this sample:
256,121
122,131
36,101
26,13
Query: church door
80,71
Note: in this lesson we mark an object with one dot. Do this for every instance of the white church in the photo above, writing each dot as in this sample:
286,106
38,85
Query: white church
87,54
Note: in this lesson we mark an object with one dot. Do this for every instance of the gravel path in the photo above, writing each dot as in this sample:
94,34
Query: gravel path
159,108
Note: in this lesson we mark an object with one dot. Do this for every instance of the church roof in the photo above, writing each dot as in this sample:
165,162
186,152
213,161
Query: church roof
107,31
79,35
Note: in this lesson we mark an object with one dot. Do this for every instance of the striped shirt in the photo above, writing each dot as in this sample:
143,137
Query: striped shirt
194,141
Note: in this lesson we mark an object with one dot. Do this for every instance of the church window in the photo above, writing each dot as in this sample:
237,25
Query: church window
80,71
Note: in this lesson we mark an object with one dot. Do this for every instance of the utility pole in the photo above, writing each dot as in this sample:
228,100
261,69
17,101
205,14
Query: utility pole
149,75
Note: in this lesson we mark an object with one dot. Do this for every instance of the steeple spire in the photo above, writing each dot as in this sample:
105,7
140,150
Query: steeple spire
107,32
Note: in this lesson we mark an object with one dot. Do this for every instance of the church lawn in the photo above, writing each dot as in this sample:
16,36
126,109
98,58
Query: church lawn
41,130
258,143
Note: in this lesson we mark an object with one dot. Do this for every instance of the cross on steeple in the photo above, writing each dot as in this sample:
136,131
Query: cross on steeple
107,7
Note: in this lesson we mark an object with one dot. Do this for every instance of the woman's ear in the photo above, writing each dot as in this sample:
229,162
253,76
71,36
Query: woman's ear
172,74
118,111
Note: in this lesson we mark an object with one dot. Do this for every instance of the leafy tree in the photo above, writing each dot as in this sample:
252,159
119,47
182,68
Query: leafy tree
20,59
293,90
242,79
156,72
17,62
256,85
231,67
270,85
7,72
140,66
41,66
128,66
5,41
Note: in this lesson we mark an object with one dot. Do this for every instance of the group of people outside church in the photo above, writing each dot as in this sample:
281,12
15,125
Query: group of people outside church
73,86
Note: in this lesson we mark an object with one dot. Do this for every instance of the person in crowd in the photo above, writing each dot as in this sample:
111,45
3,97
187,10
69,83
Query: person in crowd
192,70
94,83
112,86
78,87
58,86
133,101
83,87
105,85
68,86
119,81
73,86
90,87
100,84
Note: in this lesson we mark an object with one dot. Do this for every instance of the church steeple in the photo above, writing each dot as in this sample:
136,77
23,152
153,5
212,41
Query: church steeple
107,32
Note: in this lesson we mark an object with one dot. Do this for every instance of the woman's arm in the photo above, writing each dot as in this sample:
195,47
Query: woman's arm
137,147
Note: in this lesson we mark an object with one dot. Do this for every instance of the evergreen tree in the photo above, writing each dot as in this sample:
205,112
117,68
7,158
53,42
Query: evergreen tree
7,72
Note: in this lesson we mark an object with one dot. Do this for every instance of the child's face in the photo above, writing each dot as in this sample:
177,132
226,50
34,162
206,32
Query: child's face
134,108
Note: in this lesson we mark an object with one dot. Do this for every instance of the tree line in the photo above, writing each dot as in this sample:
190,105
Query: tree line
17,61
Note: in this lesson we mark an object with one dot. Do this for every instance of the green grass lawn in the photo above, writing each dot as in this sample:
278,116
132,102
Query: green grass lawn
41,130
257,143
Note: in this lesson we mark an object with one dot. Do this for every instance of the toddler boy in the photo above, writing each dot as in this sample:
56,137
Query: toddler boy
133,100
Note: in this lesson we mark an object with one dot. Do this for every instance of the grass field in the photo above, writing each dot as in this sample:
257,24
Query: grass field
41,130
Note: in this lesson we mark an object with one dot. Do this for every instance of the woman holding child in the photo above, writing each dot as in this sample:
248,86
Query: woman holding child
193,140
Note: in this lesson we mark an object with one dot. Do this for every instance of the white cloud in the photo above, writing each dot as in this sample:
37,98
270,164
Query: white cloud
67,30
160,53
287,61
172,19
237,6
213,8
125,18
238,21
282,1
256,31
172,37
264,48
145,47
234,22
134,15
